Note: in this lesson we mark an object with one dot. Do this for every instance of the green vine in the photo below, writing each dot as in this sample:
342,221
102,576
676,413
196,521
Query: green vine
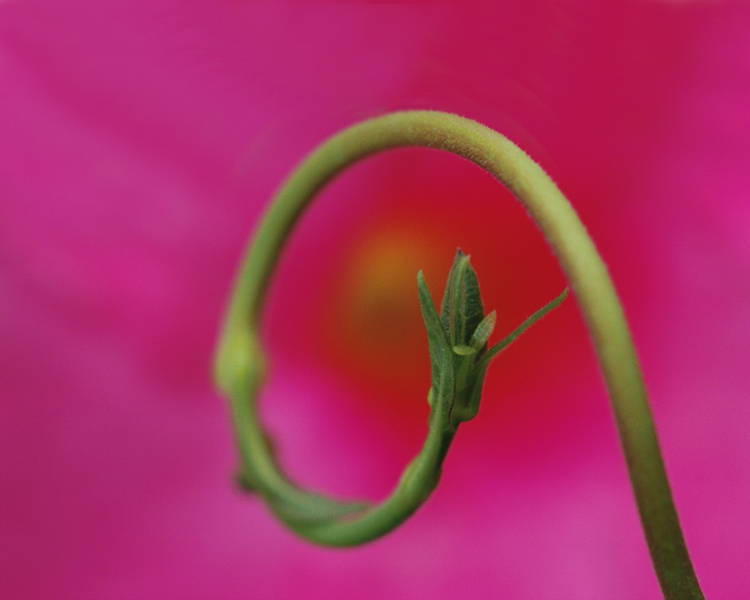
457,340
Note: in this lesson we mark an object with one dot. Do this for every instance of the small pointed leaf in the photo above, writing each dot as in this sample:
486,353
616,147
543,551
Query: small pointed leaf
440,348
452,299
446,308
470,310
498,348
483,331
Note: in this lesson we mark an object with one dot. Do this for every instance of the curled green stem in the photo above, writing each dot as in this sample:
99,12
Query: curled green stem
240,365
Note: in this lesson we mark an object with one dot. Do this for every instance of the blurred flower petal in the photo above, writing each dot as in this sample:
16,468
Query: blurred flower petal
141,143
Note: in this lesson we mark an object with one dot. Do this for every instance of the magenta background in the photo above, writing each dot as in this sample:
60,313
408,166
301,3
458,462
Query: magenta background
139,143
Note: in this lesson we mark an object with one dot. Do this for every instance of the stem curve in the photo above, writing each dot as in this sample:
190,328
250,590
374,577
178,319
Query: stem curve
240,364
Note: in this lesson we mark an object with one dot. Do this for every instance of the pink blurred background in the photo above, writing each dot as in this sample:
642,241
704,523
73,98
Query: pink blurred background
140,143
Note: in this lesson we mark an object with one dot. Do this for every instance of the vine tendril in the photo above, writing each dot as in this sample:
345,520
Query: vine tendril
458,339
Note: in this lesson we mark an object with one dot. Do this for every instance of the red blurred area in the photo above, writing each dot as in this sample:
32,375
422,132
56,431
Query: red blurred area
364,324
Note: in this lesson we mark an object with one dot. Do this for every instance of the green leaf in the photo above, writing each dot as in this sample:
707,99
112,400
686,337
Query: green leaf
440,348
451,295
462,309
470,310
483,331
498,348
